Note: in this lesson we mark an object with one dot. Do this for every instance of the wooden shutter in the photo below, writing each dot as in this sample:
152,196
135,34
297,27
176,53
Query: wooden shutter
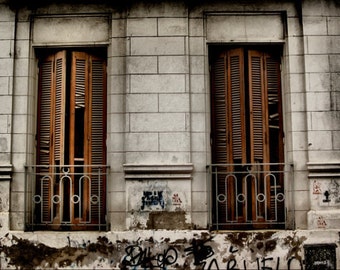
88,93
78,108
275,125
219,109
266,135
229,132
97,134
236,114
228,108
258,110
274,100
50,139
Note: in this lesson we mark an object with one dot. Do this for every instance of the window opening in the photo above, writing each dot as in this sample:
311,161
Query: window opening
247,137
71,137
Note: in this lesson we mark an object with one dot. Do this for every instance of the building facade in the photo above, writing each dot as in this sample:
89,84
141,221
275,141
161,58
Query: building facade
170,134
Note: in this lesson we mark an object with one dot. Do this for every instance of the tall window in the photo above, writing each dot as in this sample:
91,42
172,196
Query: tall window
71,138
247,136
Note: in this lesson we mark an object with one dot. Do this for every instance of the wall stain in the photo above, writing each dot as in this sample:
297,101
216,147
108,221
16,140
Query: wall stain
202,250
167,220
39,255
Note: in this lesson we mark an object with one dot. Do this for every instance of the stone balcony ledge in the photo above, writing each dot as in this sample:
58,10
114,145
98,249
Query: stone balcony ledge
6,172
158,172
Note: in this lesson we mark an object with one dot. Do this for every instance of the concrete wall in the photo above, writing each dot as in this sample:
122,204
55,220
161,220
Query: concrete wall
159,126
171,250
321,47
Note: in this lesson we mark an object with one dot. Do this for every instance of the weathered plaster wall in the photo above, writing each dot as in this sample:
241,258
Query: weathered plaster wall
164,250
158,85
321,31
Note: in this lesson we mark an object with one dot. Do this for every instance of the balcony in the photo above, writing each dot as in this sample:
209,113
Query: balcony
249,196
68,197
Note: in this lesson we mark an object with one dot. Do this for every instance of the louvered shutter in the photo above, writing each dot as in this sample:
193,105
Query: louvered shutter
97,134
236,116
219,107
259,137
274,108
246,128
228,134
266,135
219,130
59,111
88,91
78,107
50,139
273,89
228,108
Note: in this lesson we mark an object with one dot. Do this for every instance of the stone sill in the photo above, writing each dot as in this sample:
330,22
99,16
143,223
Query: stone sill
323,169
158,172
6,172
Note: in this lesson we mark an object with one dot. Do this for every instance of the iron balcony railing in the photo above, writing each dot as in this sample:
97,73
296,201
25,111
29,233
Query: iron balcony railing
249,196
68,197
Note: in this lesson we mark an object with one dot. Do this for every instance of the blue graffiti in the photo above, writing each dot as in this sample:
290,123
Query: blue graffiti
152,198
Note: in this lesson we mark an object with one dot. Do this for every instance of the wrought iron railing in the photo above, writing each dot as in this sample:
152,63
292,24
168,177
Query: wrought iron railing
248,196
66,197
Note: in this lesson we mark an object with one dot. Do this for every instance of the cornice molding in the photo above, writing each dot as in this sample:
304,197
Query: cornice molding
323,169
158,171
6,172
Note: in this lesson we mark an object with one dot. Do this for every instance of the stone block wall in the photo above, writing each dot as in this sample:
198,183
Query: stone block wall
159,102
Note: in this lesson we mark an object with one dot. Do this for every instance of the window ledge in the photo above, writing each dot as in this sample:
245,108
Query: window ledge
6,172
158,172
323,170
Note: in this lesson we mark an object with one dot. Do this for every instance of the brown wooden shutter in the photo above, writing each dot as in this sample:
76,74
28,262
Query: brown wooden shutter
274,99
229,129
50,139
78,99
59,112
219,109
97,105
97,134
246,128
259,137
88,95
88,91
236,125
266,135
